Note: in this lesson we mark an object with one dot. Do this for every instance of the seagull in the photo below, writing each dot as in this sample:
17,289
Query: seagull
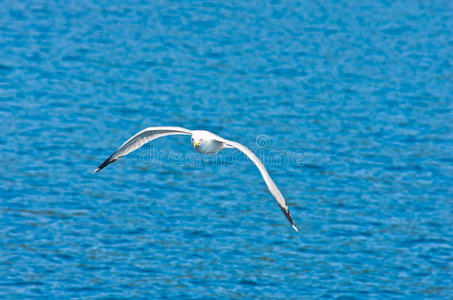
204,142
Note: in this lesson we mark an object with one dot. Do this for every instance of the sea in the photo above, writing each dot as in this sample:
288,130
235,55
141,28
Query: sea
347,103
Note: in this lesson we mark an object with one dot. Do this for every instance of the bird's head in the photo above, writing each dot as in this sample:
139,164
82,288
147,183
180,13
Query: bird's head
201,139
198,140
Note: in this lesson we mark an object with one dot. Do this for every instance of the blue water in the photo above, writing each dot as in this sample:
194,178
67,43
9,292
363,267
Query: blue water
348,103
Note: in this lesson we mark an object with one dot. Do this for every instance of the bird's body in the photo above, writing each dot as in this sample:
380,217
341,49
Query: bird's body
207,142
204,142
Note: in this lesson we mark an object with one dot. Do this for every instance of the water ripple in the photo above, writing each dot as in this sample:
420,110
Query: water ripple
354,99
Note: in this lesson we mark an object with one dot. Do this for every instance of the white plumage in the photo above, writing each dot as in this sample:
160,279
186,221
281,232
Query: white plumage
204,142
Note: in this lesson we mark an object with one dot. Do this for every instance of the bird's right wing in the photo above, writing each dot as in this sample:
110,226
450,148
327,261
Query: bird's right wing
141,138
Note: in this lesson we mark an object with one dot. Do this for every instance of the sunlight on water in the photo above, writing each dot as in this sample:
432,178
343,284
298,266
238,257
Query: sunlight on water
347,103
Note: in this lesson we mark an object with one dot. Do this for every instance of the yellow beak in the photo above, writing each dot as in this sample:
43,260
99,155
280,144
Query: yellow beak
195,144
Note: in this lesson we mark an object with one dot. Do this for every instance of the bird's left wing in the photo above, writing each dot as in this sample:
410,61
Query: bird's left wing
141,138
269,182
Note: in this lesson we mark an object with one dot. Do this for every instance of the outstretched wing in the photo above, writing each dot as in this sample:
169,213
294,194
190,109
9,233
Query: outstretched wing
141,138
269,182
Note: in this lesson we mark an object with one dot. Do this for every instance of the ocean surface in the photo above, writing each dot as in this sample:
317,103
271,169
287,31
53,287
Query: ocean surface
348,104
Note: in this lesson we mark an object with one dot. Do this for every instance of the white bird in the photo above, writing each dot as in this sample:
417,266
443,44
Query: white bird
204,142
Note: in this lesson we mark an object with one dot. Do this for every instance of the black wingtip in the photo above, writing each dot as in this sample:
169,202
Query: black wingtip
288,216
104,164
